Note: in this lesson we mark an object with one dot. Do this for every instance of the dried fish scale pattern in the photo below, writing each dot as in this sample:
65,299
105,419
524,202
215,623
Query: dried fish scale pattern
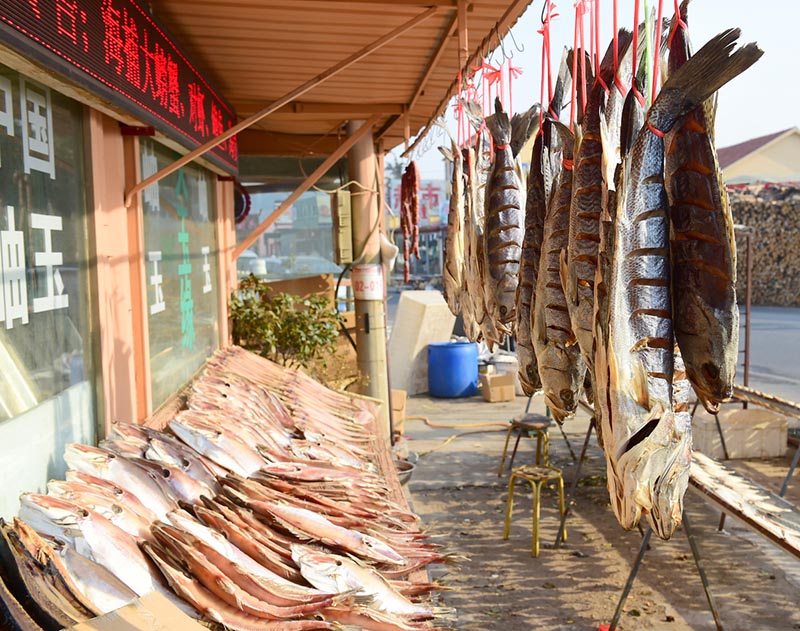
504,221
535,209
645,437
703,247
560,364
453,270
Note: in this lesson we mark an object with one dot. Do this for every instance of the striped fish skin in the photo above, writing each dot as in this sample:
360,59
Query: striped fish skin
487,313
703,248
586,208
472,294
561,366
646,438
504,220
452,274
535,209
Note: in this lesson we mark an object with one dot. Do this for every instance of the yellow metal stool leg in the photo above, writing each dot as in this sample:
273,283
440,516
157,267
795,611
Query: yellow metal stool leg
537,496
505,451
562,508
509,506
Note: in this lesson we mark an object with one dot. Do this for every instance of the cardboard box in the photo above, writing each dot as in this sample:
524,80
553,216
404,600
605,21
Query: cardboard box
151,612
398,400
497,387
751,433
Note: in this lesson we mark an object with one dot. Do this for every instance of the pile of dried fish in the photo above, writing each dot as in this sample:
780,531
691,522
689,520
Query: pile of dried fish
259,507
625,277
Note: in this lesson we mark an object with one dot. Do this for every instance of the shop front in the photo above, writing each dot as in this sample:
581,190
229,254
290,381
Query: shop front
106,309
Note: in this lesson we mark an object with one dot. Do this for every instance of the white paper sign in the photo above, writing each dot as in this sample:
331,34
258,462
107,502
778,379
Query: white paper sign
367,281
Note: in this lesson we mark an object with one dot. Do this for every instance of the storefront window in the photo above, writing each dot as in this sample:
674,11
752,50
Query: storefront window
181,259
46,342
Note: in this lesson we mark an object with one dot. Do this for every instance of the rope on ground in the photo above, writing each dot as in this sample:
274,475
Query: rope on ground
449,440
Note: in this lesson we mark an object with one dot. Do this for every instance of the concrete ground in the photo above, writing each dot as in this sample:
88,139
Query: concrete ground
498,585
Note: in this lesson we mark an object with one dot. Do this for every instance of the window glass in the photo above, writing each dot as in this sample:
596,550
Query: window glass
181,259
47,341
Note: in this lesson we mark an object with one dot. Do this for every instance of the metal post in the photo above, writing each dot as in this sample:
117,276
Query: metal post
574,485
795,460
721,437
698,562
369,305
747,311
631,577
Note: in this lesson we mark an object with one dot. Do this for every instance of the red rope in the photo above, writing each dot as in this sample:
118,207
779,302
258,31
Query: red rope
636,92
514,72
580,9
547,16
678,22
574,75
656,48
567,163
655,131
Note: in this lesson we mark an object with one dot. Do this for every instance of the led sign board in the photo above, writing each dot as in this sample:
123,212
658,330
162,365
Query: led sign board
116,49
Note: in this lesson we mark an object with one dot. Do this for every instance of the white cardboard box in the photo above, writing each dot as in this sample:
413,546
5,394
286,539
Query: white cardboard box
751,433
422,318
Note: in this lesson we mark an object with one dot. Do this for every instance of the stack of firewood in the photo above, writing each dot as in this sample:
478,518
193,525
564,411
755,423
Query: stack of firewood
772,212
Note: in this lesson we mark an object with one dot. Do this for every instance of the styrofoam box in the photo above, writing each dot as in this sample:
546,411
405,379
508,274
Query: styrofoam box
751,433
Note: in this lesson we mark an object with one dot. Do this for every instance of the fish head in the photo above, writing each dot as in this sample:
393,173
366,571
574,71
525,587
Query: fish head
44,511
87,459
376,549
562,403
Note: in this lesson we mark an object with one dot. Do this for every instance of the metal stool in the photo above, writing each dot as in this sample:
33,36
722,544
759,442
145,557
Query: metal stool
536,476
534,425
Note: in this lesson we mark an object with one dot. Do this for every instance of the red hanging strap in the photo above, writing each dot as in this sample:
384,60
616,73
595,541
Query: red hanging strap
547,16
514,72
636,92
656,50
677,23
656,132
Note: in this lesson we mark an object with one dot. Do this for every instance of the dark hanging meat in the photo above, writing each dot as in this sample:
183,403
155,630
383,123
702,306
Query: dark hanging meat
409,214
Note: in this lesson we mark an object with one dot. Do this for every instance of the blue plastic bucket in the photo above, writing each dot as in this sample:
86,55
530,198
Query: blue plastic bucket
453,369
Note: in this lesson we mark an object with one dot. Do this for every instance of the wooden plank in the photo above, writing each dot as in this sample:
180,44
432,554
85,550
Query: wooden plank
769,401
771,516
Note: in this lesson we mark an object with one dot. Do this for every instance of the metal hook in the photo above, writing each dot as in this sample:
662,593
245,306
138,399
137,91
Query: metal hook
517,46
503,49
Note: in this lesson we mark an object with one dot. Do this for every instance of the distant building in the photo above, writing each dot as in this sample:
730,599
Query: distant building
771,158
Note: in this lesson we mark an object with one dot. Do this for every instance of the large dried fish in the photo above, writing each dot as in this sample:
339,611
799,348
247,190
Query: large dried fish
643,439
560,364
579,261
504,220
703,247
452,274
535,211
483,302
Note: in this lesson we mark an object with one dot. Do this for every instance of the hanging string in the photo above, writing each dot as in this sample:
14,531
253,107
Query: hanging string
574,90
648,70
547,71
656,50
596,31
678,22
617,80
580,10
636,92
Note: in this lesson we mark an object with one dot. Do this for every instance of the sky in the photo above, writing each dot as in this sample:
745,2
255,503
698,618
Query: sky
763,100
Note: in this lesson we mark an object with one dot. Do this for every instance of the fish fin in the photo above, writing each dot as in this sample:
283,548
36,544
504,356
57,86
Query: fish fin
563,272
639,391
707,71
499,125
563,85
474,113
632,121
565,137
523,126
